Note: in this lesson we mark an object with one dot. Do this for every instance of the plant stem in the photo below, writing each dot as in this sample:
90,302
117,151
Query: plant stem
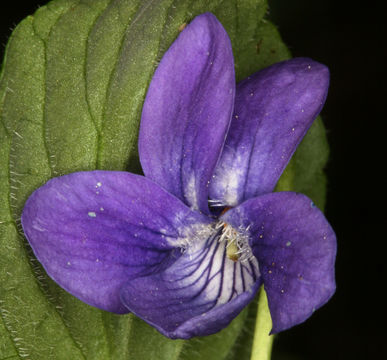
262,342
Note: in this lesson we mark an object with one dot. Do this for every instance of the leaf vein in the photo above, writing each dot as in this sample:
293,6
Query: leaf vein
114,69
10,336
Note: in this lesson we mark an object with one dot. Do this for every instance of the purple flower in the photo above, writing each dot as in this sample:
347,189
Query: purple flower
186,247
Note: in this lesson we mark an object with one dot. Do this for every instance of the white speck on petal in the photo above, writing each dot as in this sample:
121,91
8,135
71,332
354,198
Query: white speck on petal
92,214
288,243
36,224
99,184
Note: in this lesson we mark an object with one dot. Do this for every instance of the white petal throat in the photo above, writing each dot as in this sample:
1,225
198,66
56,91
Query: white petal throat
217,263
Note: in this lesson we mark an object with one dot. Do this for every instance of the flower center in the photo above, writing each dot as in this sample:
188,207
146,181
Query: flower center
237,247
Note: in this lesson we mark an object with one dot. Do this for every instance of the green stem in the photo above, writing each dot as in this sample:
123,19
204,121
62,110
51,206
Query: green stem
262,342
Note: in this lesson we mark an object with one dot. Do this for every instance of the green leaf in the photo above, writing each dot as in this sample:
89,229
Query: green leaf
72,85
305,171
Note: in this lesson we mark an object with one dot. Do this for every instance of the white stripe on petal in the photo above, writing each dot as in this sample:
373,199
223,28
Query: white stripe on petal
205,270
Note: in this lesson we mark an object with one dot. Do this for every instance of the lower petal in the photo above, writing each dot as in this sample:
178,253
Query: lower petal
199,294
92,231
296,250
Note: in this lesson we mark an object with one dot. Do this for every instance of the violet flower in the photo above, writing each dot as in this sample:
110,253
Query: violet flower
186,247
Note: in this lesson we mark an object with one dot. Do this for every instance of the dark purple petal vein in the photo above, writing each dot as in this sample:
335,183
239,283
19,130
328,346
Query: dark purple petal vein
197,295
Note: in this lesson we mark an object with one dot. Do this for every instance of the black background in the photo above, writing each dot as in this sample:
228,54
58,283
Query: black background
351,39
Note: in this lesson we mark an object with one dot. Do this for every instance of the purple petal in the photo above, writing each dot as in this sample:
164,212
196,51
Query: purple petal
296,249
187,111
273,110
92,231
199,294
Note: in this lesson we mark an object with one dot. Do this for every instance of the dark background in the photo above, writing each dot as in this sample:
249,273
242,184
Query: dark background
351,40
349,37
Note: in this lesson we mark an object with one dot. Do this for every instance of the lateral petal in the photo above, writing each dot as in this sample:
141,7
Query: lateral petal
199,294
296,249
187,111
273,110
93,231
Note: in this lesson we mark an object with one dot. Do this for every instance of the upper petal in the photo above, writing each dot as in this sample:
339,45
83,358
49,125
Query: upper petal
200,293
273,110
296,249
92,231
187,111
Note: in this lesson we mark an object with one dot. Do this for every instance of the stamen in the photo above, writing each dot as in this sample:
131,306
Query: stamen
227,208
237,240
237,247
